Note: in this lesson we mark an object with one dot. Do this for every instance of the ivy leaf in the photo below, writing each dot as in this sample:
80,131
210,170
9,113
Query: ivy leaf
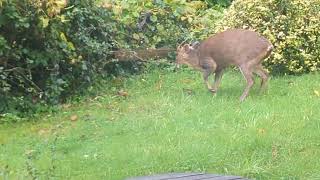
44,22
160,27
153,18
84,67
135,14
71,46
136,36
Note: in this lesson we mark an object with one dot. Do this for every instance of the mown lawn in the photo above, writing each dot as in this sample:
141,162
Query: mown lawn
170,123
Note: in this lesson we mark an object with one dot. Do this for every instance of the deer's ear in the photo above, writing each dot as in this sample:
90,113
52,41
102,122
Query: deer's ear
186,48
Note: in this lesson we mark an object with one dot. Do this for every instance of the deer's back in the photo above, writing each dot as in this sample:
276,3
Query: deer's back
234,47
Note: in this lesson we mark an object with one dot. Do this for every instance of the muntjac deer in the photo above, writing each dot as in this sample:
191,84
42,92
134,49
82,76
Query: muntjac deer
243,48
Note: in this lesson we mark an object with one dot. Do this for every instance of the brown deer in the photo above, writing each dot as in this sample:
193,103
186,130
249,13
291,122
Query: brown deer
243,48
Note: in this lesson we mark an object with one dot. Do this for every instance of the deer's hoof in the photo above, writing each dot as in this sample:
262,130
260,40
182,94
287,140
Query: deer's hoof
242,99
213,91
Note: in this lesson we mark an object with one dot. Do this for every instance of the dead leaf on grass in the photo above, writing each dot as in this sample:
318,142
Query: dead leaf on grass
159,85
123,93
290,83
29,152
188,91
186,81
261,131
274,151
66,106
74,118
44,132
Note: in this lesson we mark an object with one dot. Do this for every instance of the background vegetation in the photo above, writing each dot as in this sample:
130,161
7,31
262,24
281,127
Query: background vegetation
51,49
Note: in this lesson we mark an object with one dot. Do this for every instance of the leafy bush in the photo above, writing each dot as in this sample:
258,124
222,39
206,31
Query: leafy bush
163,23
50,49
152,24
223,3
204,22
291,25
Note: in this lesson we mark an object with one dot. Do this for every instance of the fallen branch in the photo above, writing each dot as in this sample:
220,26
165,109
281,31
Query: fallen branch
142,55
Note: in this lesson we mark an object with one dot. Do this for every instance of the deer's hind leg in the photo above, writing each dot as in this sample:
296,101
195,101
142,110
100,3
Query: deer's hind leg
247,73
263,74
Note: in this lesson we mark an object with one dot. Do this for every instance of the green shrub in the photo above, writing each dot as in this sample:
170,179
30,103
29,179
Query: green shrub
223,3
50,49
291,25
169,22
204,22
152,24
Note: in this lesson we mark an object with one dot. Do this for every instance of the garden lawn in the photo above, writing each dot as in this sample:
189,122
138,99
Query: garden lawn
165,122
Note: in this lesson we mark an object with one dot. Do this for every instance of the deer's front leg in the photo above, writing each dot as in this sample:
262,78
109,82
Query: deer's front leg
206,74
217,79
208,66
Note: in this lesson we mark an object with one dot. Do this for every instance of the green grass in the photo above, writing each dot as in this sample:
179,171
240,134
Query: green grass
160,128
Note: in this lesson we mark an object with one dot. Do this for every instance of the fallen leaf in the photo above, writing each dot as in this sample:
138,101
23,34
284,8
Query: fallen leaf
95,155
74,118
291,83
188,91
66,106
117,81
159,85
43,132
261,131
123,93
29,152
186,81
316,93
274,151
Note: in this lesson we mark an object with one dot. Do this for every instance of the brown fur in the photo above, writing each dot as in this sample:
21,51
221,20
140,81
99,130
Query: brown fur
242,48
